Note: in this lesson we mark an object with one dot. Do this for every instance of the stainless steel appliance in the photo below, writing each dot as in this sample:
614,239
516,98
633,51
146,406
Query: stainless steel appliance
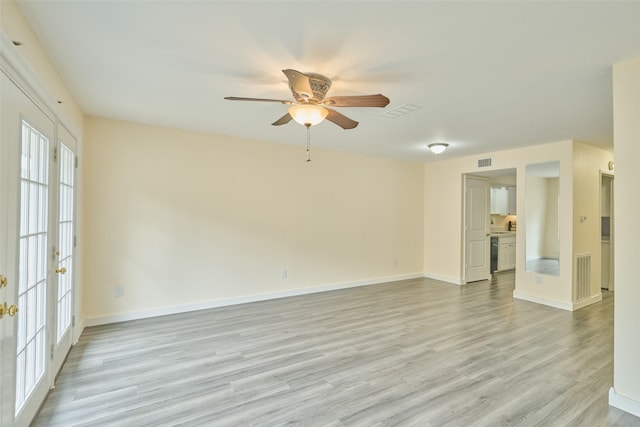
494,254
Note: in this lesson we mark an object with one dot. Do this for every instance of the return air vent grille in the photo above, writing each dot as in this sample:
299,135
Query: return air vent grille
484,163
582,276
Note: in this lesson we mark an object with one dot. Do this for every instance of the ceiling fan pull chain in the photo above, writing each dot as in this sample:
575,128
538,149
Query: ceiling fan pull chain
308,143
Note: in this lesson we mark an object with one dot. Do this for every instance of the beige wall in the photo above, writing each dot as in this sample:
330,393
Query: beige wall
580,166
626,111
444,221
180,218
588,162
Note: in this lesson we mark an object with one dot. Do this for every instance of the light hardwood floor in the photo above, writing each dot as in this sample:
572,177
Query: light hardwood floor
413,353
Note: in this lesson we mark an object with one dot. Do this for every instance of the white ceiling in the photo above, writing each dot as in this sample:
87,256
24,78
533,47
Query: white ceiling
487,75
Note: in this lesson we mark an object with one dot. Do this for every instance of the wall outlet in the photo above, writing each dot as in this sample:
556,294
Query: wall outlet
118,291
283,274
538,279
395,263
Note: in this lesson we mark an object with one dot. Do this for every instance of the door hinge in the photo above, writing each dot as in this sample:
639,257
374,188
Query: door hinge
73,320
75,241
76,162
52,347
55,154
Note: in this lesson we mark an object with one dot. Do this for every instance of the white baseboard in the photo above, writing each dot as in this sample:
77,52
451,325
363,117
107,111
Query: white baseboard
77,331
163,311
588,301
625,403
558,304
455,281
541,300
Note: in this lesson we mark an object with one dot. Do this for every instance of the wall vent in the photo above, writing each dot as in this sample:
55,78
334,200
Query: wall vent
484,163
583,277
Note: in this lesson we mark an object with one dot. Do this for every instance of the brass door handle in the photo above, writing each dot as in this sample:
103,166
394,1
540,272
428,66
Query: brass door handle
61,270
3,281
11,311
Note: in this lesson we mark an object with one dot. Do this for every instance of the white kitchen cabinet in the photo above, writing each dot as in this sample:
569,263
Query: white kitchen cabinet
503,200
506,253
498,200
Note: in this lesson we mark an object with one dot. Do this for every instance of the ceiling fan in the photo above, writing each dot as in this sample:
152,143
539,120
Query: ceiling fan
311,107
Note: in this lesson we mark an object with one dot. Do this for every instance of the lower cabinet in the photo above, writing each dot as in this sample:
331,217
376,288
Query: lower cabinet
506,253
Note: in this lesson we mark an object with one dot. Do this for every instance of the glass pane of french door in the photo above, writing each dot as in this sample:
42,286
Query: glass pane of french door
32,275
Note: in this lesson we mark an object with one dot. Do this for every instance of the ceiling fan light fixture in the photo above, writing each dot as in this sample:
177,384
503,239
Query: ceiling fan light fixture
308,114
438,147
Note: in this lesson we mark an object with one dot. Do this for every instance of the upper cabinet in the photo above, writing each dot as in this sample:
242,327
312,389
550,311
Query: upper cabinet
503,199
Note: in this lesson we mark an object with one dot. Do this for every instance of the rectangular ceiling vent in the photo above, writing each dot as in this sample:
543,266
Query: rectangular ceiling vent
484,163
400,110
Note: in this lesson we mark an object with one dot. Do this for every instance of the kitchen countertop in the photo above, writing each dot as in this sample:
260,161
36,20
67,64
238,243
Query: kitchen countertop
503,234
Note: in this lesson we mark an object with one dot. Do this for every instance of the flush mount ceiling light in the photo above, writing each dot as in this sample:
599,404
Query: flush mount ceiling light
308,114
438,147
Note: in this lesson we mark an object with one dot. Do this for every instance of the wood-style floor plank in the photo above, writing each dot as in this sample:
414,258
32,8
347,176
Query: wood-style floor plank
410,353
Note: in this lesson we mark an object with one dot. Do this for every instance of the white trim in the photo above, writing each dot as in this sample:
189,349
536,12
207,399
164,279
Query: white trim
447,279
23,75
587,301
163,311
624,403
77,331
541,300
558,304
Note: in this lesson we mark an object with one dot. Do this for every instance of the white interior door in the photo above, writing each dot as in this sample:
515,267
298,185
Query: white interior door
477,240
28,135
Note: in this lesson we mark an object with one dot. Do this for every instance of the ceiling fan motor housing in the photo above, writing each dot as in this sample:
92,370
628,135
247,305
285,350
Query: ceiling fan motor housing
320,85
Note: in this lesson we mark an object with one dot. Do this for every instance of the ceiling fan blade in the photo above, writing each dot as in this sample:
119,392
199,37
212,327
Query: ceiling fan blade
283,120
299,83
236,98
357,101
341,120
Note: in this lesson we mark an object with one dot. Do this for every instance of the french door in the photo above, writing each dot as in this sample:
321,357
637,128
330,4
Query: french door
37,219
64,255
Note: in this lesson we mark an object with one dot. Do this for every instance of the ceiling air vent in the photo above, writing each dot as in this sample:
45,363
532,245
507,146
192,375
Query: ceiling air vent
400,110
484,163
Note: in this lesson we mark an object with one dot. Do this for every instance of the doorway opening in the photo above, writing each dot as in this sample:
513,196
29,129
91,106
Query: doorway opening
490,223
